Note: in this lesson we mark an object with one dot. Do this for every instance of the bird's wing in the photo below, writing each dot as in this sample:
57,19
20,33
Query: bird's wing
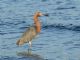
29,34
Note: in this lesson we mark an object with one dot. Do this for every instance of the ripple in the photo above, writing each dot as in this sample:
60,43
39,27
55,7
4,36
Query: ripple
61,26
63,8
59,2
2,33
44,0
8,58
34,57
68,42
77,45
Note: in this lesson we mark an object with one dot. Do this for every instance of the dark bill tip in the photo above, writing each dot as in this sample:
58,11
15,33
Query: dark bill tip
46,14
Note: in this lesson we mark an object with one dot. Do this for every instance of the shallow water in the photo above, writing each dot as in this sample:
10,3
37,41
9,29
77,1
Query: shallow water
60,35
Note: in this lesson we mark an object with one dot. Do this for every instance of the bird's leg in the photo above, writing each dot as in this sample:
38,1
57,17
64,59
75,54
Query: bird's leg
30,44
29,51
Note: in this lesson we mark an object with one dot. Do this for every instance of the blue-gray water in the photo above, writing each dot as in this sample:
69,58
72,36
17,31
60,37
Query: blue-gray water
60,35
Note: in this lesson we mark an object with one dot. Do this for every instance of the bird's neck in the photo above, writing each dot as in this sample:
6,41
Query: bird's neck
37,23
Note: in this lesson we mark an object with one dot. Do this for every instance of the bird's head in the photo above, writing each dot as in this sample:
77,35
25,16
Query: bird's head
40,14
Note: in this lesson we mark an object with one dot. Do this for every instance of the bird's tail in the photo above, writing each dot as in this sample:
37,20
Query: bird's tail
19,42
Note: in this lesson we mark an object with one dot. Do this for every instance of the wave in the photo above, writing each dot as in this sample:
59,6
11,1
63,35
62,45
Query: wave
61,26
62,8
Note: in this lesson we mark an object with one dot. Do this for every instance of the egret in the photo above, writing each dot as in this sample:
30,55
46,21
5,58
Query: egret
32,31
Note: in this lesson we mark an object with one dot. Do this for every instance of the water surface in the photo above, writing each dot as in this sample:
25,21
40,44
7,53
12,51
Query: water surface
60,35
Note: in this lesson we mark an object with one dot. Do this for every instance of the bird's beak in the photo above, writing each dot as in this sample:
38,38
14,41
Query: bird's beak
46,14
40,14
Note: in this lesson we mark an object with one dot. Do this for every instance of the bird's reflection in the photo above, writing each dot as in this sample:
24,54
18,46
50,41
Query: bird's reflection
29,55
25,53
